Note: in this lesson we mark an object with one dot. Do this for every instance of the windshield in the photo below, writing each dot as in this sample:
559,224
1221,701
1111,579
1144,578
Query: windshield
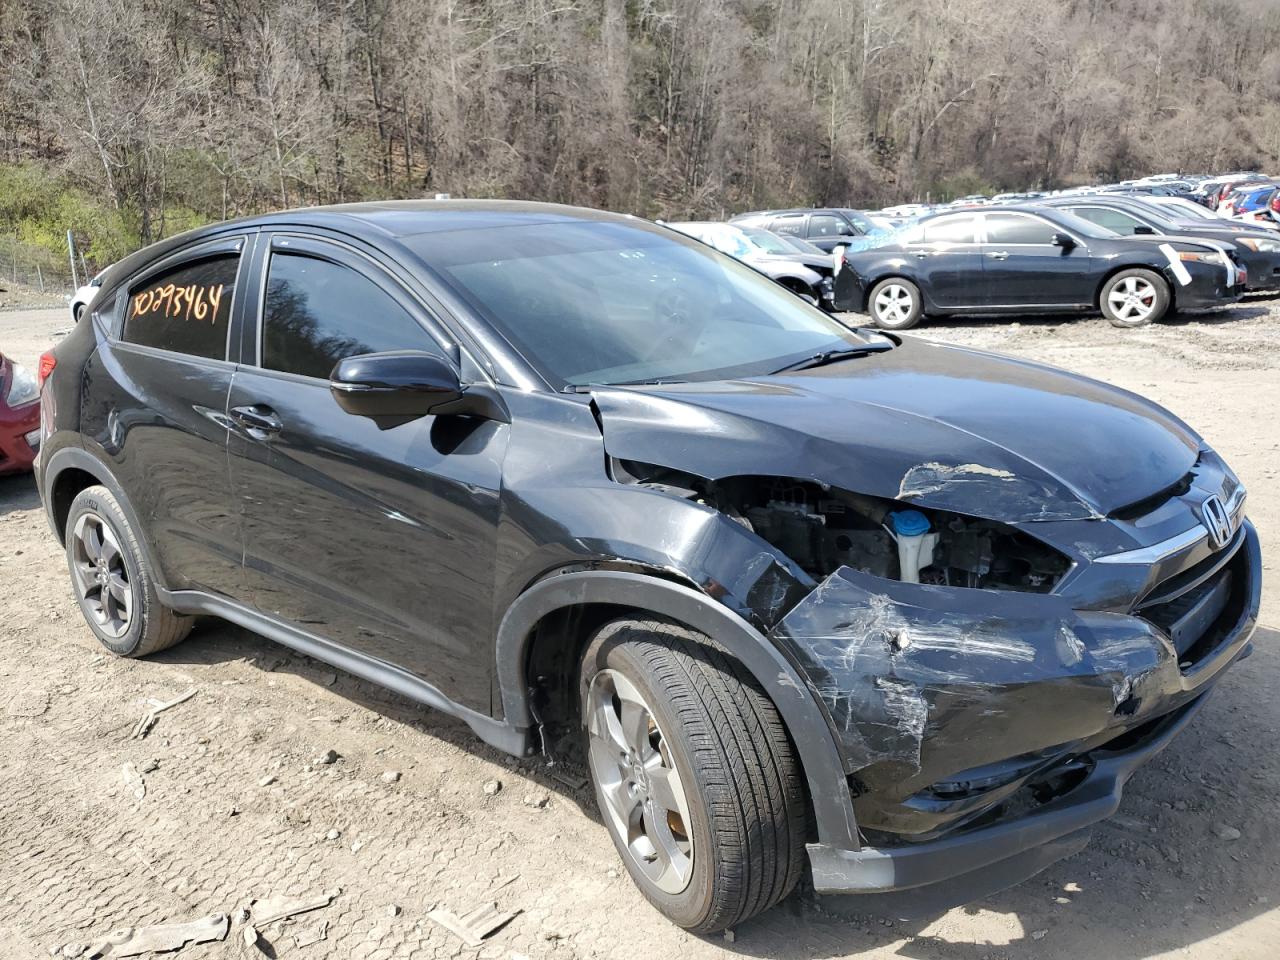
1193,210
600,302
1086,228
769,242
860,220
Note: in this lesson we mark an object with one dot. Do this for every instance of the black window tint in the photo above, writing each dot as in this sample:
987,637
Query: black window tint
1115,220
187,309
318,312
824,225
791,226
950,230
1011,228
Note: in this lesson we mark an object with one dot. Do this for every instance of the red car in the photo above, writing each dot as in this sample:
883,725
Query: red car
19,417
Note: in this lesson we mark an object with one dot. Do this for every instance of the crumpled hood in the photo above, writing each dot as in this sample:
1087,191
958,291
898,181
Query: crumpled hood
942,427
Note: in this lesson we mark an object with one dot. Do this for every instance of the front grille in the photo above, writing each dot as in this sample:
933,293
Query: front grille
1197,608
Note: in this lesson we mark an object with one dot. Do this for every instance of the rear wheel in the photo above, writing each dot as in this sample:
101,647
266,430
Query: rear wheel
895,304
1133,298
112,580
696,779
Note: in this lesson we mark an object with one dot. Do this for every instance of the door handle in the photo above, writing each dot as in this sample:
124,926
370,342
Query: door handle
921,254
999,255
257,419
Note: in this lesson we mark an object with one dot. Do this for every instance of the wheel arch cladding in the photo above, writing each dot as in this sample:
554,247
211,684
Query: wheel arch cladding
71,470
65,487
805,718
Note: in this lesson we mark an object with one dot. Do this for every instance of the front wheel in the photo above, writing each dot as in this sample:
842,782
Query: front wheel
695,777
1133,298
895,304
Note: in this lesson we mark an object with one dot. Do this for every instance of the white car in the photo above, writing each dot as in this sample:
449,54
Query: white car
80,299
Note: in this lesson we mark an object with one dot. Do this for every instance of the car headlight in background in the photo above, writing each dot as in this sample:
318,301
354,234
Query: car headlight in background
22,386
1260,244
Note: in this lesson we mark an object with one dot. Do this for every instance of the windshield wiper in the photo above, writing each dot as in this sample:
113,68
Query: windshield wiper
588,387
832,356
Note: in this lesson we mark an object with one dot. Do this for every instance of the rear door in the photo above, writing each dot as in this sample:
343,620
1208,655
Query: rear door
946,260
382,541
790,224
1023,267
157,413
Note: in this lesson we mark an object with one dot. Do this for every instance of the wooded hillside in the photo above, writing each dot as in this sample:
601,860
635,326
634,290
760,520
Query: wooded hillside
151,115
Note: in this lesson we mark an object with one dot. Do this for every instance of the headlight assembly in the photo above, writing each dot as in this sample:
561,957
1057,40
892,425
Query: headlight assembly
22,386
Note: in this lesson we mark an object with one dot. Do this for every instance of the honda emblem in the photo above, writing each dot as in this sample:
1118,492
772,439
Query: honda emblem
1216,521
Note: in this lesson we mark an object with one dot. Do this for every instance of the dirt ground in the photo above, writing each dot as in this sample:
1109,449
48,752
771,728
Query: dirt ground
236,807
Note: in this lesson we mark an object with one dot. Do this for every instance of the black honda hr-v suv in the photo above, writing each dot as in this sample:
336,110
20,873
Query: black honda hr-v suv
793,593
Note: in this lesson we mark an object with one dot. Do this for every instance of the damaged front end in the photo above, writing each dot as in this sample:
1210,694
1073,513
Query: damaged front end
999,625
980,680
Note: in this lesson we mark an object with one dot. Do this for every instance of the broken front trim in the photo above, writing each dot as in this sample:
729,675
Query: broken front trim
930,687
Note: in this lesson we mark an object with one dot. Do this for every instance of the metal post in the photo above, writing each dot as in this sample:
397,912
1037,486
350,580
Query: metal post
40,277
71,252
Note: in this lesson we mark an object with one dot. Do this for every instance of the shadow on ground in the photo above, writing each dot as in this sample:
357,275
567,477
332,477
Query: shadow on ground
1153,879
18,494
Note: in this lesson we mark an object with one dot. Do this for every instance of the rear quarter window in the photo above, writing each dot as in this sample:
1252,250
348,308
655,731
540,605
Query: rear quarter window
184,310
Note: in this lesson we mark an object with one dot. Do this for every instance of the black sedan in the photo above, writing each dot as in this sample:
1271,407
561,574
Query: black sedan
1258,247
1032,259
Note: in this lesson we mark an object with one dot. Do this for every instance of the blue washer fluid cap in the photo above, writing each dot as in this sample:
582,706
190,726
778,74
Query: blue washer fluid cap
909,523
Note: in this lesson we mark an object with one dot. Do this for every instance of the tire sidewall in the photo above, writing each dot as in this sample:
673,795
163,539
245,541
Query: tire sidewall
691,906
1164,298
99,502
917,308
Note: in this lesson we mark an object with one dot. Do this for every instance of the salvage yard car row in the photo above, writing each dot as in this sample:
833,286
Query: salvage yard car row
1135,257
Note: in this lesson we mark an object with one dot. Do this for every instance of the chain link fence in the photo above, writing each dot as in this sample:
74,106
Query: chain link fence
37,269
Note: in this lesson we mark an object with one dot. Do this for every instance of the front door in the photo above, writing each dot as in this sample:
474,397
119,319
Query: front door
828,231
1023,267
380,540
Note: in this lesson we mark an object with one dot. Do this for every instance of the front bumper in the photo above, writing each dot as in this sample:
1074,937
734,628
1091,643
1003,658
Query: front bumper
978,724
873,870
17,425
1263,267
1208,288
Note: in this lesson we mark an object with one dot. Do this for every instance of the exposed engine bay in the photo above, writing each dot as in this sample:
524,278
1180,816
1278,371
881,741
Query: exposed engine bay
823,528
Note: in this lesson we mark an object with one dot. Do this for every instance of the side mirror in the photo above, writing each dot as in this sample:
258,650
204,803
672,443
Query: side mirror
402,385
1063,240
1143,230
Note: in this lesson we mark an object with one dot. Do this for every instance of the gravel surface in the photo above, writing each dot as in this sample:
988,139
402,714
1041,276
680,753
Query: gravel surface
281,777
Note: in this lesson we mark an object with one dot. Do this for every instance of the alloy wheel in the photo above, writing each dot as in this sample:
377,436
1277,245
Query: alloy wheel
1133,298
894,304
644,797
100,576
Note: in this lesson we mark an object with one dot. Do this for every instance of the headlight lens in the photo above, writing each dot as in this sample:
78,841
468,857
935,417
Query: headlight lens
22,386
1260,244
1201,257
